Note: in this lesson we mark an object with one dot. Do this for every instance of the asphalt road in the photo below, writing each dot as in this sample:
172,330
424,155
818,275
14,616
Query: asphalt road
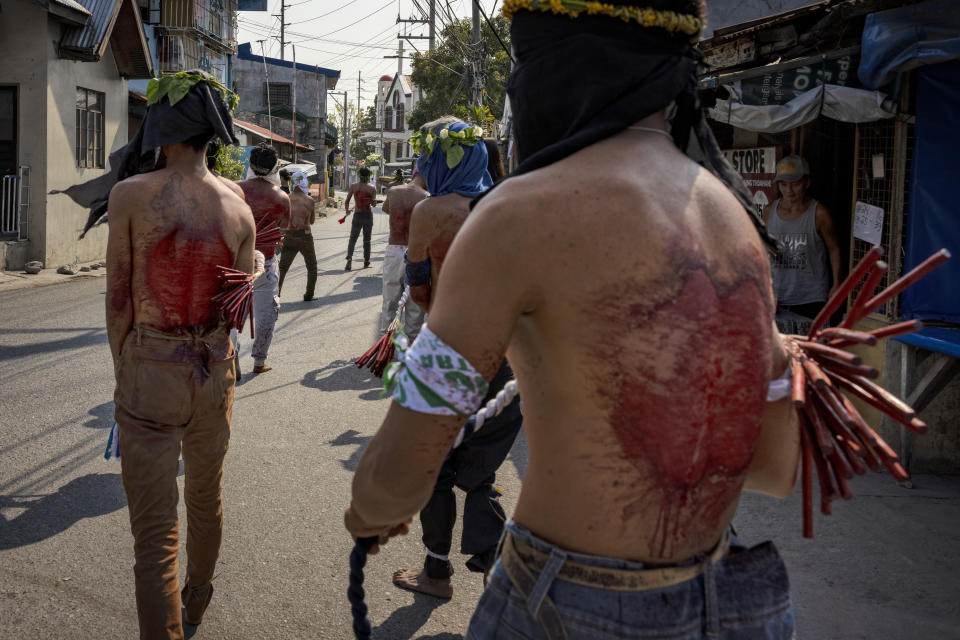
884,566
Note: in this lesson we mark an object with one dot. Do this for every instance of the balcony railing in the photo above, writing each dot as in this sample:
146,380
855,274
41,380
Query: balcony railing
214,19
181,52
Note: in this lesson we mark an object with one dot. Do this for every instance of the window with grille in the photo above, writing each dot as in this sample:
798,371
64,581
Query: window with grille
401,125
279,93
89,144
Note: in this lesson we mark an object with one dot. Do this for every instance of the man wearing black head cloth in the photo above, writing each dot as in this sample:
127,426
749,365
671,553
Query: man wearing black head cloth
643,349
169,230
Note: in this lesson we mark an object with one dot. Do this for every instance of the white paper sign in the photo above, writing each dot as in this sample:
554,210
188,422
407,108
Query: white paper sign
868,222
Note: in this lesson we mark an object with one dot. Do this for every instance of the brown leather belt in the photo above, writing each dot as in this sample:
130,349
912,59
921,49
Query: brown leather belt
611,579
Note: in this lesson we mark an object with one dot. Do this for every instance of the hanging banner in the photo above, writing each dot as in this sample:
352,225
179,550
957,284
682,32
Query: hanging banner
757,167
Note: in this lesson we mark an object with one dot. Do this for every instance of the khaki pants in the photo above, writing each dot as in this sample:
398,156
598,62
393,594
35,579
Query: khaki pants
394,277
266,310
171,393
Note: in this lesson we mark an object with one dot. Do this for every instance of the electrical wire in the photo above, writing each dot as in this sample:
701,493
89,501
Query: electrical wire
490,24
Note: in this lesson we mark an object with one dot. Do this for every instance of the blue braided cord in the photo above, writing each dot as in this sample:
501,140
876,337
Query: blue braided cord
418,273
355,593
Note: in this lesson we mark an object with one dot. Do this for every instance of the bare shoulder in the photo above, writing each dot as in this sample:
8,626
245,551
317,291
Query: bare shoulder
232,186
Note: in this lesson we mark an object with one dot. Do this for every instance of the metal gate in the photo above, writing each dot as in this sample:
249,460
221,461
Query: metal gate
15,204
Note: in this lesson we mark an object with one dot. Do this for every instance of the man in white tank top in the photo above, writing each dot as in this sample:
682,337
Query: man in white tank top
809,255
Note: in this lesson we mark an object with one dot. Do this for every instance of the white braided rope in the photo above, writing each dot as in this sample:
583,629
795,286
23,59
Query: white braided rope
493,408
401,305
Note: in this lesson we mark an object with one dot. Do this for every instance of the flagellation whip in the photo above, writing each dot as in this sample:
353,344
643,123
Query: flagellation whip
836,442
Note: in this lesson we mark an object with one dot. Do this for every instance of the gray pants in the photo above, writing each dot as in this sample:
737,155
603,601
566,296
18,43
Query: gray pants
393,283
266,309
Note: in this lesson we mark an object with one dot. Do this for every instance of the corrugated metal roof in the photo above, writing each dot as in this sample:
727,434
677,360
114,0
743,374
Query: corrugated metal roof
90,37
72,4
265,133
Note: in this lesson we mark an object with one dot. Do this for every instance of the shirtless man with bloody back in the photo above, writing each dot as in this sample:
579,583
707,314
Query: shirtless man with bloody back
643,351
169,231
267,201
363,195
297,237
399,206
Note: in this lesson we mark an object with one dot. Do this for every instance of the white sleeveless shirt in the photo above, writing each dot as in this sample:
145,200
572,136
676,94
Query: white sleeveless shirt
801,272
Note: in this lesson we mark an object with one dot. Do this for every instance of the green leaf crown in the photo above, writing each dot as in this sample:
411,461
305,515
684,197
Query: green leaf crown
174,86
451,142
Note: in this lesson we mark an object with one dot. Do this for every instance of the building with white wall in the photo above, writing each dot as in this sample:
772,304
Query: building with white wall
396,98
63,110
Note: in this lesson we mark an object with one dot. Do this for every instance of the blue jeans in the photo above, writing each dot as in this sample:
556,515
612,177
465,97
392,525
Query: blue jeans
745,596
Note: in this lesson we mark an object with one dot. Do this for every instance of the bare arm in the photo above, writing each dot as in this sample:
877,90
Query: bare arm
418,247
346,203
386,203
776,456
119,269
244,261
390,485
825,228
766,213
313,211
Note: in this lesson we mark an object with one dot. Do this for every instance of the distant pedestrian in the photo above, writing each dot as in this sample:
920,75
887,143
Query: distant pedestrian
297,238
265,198
494,163
363,195
399,206
809,256
285,181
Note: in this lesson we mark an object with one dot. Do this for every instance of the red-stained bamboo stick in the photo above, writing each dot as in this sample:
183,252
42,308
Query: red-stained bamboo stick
907,279
897,329
852,451
872,400
842,468
859,310
886,396
856,275
870,457
806,471
828,363
815,376
838,354
846,336
821,435
888,457
844,486
799,383
828,484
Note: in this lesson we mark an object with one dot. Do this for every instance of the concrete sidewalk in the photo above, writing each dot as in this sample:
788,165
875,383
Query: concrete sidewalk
14,280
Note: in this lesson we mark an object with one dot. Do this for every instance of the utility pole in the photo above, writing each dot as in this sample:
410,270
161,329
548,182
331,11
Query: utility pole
346,144
283,25
266,83
410,38
322,128
293,99
433,20
476,55
358,98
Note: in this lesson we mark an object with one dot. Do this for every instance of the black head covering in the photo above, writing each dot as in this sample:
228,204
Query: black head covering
624,73
200,111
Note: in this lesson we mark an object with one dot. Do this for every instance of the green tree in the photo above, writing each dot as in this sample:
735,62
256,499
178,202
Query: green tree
447,94
228,162
359,146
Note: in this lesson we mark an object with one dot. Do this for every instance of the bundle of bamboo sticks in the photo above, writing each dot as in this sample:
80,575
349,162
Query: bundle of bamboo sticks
269,234
235,300
377,357
835,439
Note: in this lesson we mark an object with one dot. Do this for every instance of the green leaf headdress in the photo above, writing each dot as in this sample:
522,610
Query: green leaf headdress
175,86
424,142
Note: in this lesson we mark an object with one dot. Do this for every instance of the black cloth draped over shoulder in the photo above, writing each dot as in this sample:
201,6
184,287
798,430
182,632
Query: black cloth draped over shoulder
200,111
578,81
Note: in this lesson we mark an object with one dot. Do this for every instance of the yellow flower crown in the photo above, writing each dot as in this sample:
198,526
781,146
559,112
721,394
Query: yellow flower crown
684,23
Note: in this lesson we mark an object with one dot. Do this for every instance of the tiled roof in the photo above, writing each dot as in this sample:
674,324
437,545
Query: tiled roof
265,133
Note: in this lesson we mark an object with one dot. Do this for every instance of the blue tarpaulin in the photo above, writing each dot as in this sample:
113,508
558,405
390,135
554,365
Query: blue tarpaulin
901,39
933,216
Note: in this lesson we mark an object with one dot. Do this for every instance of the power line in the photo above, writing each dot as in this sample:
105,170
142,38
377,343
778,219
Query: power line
324,15
490,24
389,2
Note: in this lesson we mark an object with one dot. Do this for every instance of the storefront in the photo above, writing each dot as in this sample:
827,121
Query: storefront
869,97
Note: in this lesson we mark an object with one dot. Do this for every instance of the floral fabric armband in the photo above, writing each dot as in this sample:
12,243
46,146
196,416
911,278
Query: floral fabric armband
433,378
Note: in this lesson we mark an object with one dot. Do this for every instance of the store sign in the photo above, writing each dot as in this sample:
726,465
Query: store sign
868,223
758,168
781,88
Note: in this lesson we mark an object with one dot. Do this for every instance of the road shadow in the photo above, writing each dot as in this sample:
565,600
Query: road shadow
85,337
102,416
343,375
349,438
363,287
89,496
404,622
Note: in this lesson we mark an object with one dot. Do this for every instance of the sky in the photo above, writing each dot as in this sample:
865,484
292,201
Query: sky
347,35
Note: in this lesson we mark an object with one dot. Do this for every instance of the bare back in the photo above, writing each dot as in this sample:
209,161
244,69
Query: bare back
637,295
434,224
181,227
400,202
302,212
266,200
